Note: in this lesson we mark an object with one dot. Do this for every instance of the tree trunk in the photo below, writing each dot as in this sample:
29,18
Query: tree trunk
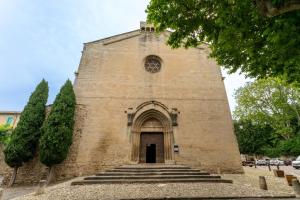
13,177
266,7
50,175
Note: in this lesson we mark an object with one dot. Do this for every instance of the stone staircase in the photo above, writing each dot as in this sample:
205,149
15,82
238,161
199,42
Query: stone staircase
151,173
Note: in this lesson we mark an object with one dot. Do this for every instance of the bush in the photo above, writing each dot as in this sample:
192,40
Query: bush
5,132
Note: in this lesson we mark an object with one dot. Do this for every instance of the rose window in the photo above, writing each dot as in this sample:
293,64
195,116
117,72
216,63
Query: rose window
152,64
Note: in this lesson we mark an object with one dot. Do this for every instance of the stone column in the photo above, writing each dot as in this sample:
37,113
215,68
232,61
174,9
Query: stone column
168,147
130,116
129,135
135,144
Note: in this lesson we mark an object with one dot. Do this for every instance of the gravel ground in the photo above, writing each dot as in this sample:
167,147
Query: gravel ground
118,191
243,186
250,178
10,193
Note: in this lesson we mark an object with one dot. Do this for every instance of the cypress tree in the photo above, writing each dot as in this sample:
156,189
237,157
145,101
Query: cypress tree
25,137
57,130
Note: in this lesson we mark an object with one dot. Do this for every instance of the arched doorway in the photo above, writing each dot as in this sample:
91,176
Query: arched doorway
151,134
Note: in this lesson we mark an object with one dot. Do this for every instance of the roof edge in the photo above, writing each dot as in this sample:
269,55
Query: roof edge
10,112
111,37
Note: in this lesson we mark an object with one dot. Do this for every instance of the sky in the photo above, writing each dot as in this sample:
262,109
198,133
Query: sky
44,39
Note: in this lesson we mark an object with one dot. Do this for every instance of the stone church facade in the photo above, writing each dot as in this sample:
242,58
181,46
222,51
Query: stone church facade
139,101
148,103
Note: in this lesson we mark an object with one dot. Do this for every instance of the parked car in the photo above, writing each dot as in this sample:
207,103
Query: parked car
296,163
287,162
261,162
276,161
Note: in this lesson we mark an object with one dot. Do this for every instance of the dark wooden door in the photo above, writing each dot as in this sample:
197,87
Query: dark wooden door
152,147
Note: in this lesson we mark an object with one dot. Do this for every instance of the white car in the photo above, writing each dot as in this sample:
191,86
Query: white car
276,161
296,163
261,162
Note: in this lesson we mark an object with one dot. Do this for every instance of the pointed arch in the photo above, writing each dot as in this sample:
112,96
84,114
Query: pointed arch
152,111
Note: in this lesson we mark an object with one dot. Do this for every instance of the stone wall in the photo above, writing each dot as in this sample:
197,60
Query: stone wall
70,167
29,173
4,169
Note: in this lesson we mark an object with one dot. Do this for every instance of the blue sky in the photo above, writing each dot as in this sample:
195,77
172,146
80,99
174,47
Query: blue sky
44,39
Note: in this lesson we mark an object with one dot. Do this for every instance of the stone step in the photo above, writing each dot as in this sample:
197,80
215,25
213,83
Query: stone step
263,197
153,170
153,177
144,173
153,167
150,173
126,181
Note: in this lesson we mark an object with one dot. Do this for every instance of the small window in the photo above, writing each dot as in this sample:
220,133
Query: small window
9,120
152,64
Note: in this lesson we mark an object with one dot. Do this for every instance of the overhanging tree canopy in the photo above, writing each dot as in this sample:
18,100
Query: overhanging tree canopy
240,38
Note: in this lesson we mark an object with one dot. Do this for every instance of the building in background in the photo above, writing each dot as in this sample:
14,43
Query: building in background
10,117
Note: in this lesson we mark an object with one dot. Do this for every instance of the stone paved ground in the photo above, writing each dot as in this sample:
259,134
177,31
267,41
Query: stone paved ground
250,178
17,192
127,191
244,185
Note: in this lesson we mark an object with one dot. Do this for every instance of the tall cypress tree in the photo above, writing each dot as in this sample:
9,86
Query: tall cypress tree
25,137
57,130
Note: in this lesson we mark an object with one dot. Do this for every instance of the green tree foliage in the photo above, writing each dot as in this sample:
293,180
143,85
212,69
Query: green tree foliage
5,131
268,109
57,130
24,138
239,37
253,138
270,101
290,147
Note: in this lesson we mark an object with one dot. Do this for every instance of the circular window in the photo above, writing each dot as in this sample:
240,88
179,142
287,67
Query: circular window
152,64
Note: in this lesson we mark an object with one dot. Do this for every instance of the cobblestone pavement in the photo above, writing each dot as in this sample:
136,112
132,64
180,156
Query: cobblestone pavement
245,185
